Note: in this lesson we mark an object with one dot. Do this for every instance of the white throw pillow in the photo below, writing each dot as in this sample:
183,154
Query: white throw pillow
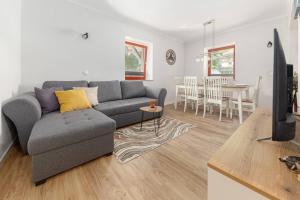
91,93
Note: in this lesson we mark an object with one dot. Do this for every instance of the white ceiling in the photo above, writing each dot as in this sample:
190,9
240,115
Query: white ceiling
184,18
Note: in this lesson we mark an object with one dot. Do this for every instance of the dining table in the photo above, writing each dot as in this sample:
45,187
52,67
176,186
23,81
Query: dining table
238,89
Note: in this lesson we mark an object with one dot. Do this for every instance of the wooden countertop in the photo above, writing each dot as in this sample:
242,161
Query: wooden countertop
255,164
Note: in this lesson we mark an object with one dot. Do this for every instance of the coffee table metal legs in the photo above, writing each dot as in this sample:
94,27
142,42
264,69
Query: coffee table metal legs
142,120
155,123
158,122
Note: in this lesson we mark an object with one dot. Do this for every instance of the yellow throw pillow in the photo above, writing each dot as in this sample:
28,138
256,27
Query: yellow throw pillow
71,100
91,93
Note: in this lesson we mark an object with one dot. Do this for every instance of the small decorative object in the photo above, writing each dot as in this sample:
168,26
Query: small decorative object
298,170
292,162
152,103
85,36
270,44
171,57
298,165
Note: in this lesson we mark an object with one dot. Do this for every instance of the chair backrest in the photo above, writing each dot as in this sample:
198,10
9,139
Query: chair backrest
191,86
224,81
256,90
213,89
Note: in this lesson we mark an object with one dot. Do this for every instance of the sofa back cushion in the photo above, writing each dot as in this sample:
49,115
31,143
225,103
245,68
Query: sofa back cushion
66,85
107,90
133,89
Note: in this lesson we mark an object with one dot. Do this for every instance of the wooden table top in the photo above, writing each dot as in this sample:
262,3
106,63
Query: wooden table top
156,109
255,164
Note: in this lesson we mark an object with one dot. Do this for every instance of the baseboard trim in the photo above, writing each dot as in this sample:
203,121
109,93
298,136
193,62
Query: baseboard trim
6,151
295,142
169,103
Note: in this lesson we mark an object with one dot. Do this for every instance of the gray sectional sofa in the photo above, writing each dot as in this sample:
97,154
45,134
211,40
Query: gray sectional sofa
59,141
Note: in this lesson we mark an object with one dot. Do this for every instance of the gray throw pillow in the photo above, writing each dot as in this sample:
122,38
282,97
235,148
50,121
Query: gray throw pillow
47,99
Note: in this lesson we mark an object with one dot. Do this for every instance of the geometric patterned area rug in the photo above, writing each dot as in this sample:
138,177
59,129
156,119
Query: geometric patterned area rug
131,142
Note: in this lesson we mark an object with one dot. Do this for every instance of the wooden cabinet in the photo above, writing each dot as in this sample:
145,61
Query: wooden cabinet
246,169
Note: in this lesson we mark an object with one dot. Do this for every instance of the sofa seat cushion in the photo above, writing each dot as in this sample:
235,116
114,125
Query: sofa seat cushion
56,130
112,108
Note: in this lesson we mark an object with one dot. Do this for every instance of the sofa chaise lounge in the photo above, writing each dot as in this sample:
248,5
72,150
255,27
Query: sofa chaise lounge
59,141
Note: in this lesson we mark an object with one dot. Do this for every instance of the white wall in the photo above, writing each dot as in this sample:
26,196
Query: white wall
298,66
52,48
293,44
253,58
10,55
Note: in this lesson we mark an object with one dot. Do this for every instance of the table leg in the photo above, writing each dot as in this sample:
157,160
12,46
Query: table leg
240,107
159,122
176,94
142,120
154,123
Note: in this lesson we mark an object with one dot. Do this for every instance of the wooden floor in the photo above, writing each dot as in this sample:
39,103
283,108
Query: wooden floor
176,170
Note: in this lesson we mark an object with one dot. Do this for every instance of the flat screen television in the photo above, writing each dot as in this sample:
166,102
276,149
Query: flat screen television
283,125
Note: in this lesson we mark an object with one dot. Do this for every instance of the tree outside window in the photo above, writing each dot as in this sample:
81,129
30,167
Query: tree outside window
135,61
222,61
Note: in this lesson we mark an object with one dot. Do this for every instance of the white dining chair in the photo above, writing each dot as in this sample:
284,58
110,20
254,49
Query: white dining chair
248,104
213,94
180,93
224,81
192,93
180,97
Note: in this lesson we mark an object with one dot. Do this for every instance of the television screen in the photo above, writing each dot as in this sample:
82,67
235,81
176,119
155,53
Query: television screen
283,122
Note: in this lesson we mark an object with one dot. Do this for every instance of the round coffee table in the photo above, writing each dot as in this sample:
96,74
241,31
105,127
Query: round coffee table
154,111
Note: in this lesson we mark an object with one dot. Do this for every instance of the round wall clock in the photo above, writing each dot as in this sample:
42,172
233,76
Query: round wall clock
171,57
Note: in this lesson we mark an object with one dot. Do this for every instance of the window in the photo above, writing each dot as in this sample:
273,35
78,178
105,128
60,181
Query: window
137,61
222,61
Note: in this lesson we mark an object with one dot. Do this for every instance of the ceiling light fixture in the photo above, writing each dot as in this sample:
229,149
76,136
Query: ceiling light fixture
204,53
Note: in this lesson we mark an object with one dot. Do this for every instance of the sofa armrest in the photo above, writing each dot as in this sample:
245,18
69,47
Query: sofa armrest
157,93
23,111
